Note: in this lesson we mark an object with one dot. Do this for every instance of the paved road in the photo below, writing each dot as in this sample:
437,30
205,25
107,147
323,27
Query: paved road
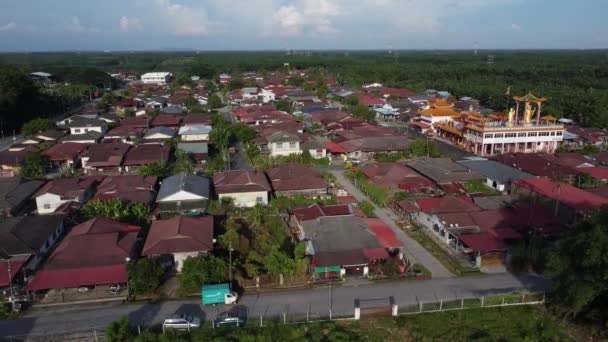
411,246
317,302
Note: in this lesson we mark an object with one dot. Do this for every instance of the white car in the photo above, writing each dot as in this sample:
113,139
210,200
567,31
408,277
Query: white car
181,322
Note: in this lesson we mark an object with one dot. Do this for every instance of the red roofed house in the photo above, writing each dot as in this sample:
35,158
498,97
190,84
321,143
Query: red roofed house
166,120
58,192
65,155
369,100
245,187
104,158
392,175
130,188
146,154
93,253
299,215
567,201
293,180
181,237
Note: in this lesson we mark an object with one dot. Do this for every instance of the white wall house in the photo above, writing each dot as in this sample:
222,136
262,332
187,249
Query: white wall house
283,144
85,129
194,133
247,199
268,95
48,203
156,78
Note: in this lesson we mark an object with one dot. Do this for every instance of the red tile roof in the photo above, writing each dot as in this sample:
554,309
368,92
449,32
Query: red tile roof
334,148
238,181
448,204
385,235
16,264
129,188
295,177
314,211
166,120
67,187
568,195
147,154
482,242
136,121
196,119
599,173
180,234
103,155
92,253
389,174
65,151
369,100
537,164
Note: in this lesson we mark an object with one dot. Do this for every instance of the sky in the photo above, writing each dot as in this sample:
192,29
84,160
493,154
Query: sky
131,25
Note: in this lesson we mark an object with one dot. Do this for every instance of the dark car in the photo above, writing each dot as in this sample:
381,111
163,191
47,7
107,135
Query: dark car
236,316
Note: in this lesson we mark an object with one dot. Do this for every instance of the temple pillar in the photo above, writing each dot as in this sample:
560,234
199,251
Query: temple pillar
538,113
502,148
516,112
491,149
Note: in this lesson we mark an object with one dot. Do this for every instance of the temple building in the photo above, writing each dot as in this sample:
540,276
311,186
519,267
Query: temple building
522,130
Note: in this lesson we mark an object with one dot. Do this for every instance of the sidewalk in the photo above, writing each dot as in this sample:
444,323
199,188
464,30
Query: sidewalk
412,247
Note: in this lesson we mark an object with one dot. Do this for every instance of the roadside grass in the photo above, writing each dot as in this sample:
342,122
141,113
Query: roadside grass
521,323
444,257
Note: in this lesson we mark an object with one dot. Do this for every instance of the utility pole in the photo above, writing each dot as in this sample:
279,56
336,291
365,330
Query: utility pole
230,258
10,284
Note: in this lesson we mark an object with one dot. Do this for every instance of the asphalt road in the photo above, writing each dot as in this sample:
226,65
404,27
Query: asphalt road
317,302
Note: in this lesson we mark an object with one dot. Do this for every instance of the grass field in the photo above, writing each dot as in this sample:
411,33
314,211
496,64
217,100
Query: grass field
523,323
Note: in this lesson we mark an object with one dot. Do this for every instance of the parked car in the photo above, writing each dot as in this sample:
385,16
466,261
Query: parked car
237,316
181,322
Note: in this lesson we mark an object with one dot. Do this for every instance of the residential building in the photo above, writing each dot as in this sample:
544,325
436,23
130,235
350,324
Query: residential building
184,193
124,134
12,158
93,253
131,188
246,188
59,192
363,149
65,155
159,134
283,144
180,238
15,195
197,150
292,180
498,176
104,158
194,133
443,170
90,137
82,125
145,155
161,78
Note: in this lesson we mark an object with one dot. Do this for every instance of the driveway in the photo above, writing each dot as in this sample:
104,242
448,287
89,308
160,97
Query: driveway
412,247
317,301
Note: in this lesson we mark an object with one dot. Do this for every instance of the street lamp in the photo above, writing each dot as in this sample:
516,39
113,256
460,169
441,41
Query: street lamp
230,258
10,284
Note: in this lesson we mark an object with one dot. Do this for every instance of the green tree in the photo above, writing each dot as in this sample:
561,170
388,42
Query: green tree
183,162
322,91
210,86
422,148
184,80
117,210
578,269
5,308
35,126
144,276
235,84
118,331
243,133
201,270
154,169
278,262
283,105
34,166
296,81
214,101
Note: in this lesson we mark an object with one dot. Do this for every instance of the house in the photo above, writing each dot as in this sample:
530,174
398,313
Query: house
370,101
27,240
90,137
141,121
81,125
12,159
194,133
363,149
161,78
104,158
166,120
146,154
57,192
225,78
283,144
292,180
341,245
390,175
197,150
299,215
567,201
124,134
498,176
65,155
184,193
110,118
443,170
131,188
180,237
245,187
315,148
49,136
537,164
95,252
197,119
159,134
15,195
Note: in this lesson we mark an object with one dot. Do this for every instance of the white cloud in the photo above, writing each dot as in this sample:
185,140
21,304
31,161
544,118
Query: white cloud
515,27
181,19
307,16
11,26
74,25
127,24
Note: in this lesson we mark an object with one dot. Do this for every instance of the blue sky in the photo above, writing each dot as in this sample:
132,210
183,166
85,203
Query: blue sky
41,25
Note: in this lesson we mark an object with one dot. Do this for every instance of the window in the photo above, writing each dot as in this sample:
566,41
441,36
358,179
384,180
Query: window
279,145
47,206
86,130
522,135
552,134
498,135
259,200
510,135
543,134
77,130
532,134
488,136
559,134
292,145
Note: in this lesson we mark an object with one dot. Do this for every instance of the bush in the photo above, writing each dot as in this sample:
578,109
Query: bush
201,270
367,209
34,166
35,126
117,210
144,276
